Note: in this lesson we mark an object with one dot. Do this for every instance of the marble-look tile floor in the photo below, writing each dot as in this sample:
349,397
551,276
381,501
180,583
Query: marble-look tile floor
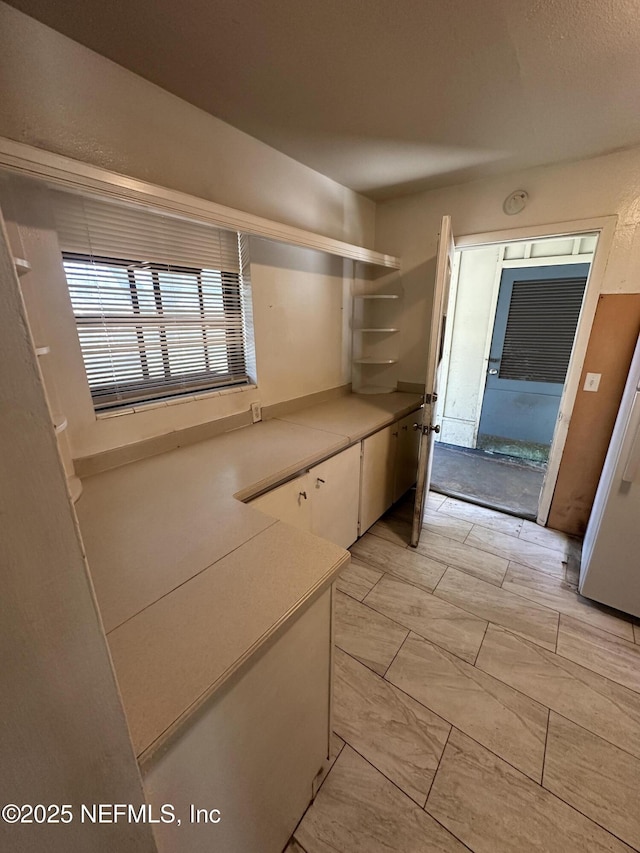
480,703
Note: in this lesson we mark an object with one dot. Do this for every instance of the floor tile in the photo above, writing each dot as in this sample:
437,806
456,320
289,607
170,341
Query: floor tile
359,811
561,596
357,579
482,515
496,715
336,747
393,529
398,560
366,635
500,606
294,847
446,525
600,651
435,500
403,509
493,808
572,572
398,735
518,550
454,629
598,779
487,567
589,699
546,536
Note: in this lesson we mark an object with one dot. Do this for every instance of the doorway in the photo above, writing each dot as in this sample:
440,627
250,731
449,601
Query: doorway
513,314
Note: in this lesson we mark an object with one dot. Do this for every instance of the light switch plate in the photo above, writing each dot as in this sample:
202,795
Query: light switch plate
592,381
256,412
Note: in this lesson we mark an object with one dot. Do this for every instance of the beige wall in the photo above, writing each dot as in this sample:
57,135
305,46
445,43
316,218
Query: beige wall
62,97
608,185
65,98
301,301
301,308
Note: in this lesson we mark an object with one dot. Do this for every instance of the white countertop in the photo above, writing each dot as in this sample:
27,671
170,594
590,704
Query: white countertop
191,581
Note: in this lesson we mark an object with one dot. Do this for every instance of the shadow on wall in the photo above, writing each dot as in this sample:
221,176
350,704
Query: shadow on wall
418,284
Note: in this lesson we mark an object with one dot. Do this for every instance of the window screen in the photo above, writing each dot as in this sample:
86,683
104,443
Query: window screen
158,301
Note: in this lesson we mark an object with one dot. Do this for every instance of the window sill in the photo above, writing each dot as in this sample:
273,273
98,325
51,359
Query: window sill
175,401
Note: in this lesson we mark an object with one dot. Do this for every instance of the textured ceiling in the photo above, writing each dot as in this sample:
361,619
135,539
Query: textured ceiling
387,97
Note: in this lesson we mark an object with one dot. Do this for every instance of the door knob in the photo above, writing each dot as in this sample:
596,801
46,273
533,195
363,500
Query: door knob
493,371
427,428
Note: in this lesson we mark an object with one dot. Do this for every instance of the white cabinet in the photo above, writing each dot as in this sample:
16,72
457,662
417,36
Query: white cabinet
347,493
378,475
389,467
334,488
254,748
406,465
289,502
324,500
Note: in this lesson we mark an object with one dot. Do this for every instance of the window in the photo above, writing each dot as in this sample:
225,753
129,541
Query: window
163,321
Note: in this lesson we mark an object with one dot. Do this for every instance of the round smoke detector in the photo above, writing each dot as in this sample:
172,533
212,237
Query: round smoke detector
515,202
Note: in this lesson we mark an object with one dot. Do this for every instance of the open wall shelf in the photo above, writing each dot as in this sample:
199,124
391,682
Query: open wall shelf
375,340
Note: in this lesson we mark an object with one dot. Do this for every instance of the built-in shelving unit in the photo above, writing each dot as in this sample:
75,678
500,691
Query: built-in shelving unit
22,266
375,339
60,423
370,360
377,296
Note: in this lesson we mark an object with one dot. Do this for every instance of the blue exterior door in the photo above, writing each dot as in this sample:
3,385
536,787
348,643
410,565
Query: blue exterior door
535,325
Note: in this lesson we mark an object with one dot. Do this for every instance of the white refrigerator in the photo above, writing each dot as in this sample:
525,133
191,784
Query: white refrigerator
610,565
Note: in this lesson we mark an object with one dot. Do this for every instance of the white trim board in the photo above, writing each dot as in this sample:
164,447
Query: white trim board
605,228
74,174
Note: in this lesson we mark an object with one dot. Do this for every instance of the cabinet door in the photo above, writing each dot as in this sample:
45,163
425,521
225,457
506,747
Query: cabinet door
378,481
290,503
407,455
254,749
335,492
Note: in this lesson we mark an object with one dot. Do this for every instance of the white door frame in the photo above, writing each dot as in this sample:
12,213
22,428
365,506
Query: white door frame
605,227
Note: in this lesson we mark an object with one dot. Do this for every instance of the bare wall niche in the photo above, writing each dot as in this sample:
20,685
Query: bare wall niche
611,344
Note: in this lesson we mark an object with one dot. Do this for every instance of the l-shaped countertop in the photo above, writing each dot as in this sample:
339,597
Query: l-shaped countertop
190,581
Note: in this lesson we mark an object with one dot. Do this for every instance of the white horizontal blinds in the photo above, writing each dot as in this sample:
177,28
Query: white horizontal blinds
115,230
157,301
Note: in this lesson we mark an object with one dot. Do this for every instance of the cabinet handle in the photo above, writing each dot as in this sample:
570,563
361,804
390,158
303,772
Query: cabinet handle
394,434
405,427
319,480
303,495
